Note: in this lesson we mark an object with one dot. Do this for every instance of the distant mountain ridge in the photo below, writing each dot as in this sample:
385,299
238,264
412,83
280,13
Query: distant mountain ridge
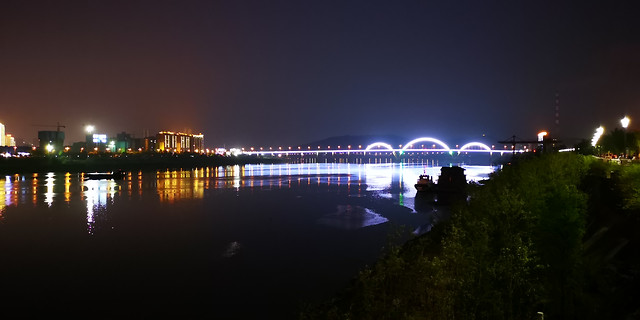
356,140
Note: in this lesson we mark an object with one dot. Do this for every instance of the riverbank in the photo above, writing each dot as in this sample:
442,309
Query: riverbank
550,236
127,162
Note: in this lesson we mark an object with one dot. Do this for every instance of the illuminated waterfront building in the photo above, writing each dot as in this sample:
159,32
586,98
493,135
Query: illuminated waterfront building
10,141
3,141
179,142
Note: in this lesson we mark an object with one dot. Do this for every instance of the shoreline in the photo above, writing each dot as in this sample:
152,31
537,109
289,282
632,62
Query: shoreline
126,162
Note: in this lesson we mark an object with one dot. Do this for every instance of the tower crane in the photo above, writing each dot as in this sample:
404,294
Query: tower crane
57,125
514,140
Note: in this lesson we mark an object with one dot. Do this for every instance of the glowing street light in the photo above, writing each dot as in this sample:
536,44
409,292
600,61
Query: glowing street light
597,135
541,135
625,122
89,128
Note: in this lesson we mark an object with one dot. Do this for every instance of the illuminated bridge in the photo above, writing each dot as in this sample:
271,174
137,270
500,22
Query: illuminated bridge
419,145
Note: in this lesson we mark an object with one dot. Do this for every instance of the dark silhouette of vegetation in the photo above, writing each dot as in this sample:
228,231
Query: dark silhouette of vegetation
532,240
619,141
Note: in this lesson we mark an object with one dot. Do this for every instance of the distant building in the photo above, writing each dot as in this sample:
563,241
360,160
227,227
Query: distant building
167,141
124,142
150,143
51,140
10,141
78,147
3,141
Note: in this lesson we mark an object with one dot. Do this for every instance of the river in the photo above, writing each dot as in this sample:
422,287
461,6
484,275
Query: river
254,241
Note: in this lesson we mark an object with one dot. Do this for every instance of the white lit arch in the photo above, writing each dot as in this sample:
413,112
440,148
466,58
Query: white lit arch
427,139
475,144
379,144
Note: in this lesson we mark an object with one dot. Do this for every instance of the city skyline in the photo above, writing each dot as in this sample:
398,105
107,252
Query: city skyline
254,73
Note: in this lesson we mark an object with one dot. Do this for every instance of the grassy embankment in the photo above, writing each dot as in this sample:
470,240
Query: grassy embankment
553,234
127,162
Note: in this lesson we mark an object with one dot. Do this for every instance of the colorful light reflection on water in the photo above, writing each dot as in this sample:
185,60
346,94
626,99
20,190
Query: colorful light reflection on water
386,180
240,241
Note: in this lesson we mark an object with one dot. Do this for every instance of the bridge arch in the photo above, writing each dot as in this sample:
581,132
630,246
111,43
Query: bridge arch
427,139
475,144
379,144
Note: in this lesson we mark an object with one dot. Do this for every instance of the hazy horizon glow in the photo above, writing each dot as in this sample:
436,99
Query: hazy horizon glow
289,73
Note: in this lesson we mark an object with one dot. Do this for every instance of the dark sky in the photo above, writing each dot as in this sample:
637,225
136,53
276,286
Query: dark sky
288,72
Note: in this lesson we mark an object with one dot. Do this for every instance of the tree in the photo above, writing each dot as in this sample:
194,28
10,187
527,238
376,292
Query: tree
514,249
615,140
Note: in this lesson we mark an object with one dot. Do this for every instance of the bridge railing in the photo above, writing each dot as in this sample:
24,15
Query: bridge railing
374,151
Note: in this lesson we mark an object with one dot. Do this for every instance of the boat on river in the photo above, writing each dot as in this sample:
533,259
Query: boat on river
113,175
451,180
451,187
425,183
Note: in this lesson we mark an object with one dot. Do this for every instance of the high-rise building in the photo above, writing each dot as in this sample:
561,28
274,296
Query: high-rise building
3,139
179,142
51,140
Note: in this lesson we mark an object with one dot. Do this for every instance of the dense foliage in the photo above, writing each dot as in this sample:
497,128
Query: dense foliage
515,250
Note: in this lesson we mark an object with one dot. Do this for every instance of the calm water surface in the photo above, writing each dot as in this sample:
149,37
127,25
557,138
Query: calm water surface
227,242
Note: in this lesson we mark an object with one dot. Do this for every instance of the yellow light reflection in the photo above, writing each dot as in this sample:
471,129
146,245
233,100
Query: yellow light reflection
173,186
67,187
34,189
5,195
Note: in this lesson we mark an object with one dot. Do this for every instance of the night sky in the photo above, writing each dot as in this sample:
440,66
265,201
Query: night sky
289,72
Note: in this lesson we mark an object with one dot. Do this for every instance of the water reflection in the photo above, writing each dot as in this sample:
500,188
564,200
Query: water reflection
67,187
98,194
172,186
49,184
7,196
386,180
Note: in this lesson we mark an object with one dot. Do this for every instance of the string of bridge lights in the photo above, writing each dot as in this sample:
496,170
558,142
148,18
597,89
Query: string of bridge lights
437,145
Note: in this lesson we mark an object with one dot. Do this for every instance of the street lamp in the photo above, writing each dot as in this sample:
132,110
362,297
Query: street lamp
596,136
89,130
625,123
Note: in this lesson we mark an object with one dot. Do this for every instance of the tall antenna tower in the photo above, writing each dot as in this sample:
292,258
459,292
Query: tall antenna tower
557,118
